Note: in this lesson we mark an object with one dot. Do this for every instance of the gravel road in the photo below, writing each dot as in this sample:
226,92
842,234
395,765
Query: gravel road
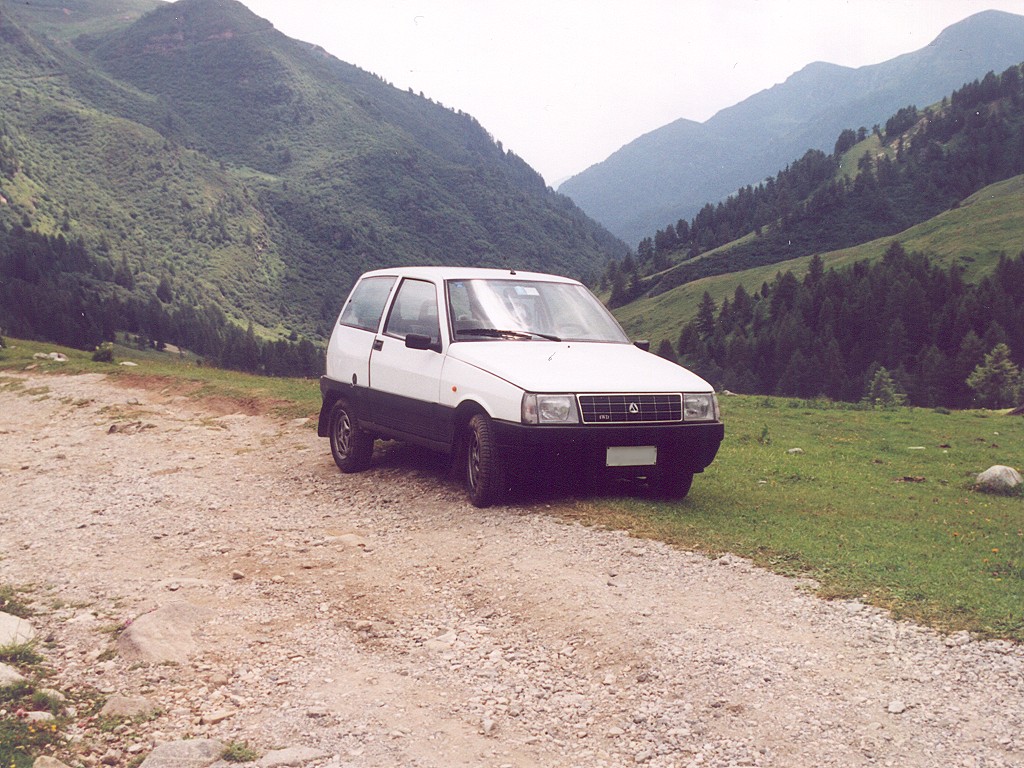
383,621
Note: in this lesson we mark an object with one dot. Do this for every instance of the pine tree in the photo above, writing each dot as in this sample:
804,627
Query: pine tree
666,351
997,381
705,320
882,391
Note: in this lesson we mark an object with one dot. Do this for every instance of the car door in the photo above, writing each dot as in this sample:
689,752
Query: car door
348,353
405,381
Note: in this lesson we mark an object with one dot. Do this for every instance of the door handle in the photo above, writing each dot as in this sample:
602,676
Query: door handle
378,345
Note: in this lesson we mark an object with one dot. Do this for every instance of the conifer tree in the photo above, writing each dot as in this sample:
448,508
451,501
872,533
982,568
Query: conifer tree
997,381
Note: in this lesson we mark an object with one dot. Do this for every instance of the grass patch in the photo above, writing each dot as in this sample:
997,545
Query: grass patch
20,655
20,737
239,752
879,506
166,371
11,603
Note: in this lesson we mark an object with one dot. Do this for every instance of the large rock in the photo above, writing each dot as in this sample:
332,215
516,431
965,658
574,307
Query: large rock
14,630
48,762
999,479
10,676
194,753
128,706
290,757
162,635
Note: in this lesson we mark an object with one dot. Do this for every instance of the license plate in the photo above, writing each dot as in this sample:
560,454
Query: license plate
632,456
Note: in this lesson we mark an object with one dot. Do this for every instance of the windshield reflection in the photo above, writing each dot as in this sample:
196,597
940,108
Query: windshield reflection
528,309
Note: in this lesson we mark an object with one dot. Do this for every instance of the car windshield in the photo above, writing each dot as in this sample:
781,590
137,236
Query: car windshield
528,309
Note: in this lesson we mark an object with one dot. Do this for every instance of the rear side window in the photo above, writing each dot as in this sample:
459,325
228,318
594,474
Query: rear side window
365,304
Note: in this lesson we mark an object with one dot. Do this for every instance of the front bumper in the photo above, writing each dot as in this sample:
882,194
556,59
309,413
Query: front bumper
691,446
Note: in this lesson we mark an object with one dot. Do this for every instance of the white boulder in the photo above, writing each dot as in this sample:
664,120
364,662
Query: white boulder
999,479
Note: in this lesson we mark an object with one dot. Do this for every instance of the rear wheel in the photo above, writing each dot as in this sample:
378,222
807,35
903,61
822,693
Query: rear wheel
485,474
351,447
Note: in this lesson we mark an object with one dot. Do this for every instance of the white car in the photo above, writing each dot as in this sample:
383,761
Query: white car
508,372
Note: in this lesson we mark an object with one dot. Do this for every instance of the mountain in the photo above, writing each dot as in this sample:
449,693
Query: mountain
193,154
891,260
670,173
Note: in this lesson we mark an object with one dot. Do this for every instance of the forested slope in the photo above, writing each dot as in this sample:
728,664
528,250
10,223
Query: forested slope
197,151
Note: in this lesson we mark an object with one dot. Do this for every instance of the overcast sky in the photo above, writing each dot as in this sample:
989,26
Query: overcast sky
565,83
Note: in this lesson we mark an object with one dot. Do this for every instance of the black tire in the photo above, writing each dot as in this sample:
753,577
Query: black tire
674,482
485,472
351,447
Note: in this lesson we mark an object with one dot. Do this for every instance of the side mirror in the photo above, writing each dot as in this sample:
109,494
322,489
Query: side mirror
419,341
643,344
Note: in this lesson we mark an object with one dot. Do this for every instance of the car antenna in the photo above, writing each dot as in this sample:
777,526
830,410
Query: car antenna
511,271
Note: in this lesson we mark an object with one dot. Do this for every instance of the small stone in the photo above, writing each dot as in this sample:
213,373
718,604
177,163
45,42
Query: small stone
897,707
957,639
215,717
795,451
237,575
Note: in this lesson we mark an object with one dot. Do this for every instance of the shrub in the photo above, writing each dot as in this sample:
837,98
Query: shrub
238,752
103,354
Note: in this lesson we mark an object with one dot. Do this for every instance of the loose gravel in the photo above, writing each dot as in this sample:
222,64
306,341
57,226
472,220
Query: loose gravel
380,620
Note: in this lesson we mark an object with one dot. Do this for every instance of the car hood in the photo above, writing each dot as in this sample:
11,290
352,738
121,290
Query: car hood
548,366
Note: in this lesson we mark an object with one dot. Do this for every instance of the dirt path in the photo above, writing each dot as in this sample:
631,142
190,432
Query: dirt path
381,619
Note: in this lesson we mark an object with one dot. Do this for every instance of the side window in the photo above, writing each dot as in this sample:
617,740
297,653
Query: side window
366,303
414,311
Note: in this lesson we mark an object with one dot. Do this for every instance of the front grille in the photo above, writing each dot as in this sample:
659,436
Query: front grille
631,409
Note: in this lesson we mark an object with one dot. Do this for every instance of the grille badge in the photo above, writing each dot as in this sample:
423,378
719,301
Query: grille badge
631,408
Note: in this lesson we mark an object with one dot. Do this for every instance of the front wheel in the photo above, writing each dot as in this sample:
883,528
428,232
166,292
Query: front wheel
351,447
485,473
674,482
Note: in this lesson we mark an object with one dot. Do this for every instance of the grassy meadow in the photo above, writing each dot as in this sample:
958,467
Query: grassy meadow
877,505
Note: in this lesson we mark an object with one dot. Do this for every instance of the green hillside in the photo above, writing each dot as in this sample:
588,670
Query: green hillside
192,145
63,20
973,235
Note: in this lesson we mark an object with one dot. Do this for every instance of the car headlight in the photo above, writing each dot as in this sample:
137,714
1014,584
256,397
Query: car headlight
549,409
700,407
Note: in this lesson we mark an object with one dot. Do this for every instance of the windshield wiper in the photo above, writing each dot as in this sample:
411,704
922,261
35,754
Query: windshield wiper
501,334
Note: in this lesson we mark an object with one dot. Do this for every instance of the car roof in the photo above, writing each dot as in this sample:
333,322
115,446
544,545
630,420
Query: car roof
466,273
